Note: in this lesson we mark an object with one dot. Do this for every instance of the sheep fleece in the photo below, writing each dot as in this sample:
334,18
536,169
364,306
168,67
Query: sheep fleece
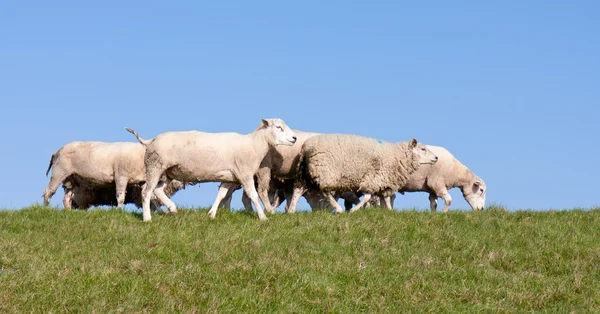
346,162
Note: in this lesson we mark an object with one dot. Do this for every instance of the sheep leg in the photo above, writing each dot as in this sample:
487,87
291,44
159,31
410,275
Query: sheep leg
388,202
433,202
247,203
152,179
250,190
68,199
447,200
366,198
226,201
263,178
224,188
333,202
121,189
159,191
56,180
299,190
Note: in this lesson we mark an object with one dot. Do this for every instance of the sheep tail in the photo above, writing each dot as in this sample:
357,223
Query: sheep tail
52,159
141,140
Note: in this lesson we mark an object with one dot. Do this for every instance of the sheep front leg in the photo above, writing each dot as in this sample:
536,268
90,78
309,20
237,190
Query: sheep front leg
388,202
263,178
433,202
250,191
447,200
366,198
329,196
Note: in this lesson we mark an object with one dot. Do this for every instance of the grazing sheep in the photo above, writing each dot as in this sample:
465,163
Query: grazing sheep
345,162
445,174
98,164
194,156
84,196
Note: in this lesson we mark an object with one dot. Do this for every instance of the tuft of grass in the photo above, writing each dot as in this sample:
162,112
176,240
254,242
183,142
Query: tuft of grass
374,260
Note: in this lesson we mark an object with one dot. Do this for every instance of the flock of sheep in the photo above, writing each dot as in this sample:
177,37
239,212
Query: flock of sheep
272,164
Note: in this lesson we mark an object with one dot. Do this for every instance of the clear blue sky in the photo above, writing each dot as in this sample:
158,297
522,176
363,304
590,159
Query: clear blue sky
511,88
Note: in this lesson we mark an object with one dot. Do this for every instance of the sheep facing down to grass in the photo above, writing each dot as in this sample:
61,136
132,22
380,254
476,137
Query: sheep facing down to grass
84,196
195,157
98,164
447,173
346,162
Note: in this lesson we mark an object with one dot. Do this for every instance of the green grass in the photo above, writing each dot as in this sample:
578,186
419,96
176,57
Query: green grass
374,260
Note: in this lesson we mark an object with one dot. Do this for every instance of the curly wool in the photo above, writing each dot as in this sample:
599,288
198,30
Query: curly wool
346,162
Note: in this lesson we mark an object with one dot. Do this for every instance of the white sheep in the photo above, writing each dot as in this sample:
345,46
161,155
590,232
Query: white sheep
98,164
193,156
445,174
346,162
279,165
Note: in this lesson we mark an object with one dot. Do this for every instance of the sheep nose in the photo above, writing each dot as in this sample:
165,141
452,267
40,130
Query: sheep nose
436,158
293,139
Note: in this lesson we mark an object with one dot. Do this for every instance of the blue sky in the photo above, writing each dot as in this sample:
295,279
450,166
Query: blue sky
510,88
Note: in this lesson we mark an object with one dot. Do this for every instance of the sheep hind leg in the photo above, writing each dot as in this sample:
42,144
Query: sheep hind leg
152,179
68,199
247,203
290,206
366,198
56,179
226,201
121,190
159,191
224,188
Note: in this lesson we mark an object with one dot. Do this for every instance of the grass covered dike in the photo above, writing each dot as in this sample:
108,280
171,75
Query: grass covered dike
374,260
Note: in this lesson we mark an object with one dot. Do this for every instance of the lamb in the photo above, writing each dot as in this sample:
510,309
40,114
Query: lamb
446,174
96,164
346,162
193,156
84,196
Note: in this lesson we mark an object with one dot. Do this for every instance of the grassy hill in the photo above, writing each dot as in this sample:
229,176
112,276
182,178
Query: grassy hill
373,260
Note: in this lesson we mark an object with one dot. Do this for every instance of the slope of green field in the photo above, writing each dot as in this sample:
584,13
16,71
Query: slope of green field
373,260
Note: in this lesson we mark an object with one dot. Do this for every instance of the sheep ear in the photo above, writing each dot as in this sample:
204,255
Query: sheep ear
265,122
413,143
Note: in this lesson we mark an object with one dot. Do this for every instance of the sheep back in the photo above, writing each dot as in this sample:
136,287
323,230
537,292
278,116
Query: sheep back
347,162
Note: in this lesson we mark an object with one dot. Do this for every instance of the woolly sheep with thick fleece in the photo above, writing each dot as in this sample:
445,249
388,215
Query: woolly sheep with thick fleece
194,156
99,164
347,162
447,173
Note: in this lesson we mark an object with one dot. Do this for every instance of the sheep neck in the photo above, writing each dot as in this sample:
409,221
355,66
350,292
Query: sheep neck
261,143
